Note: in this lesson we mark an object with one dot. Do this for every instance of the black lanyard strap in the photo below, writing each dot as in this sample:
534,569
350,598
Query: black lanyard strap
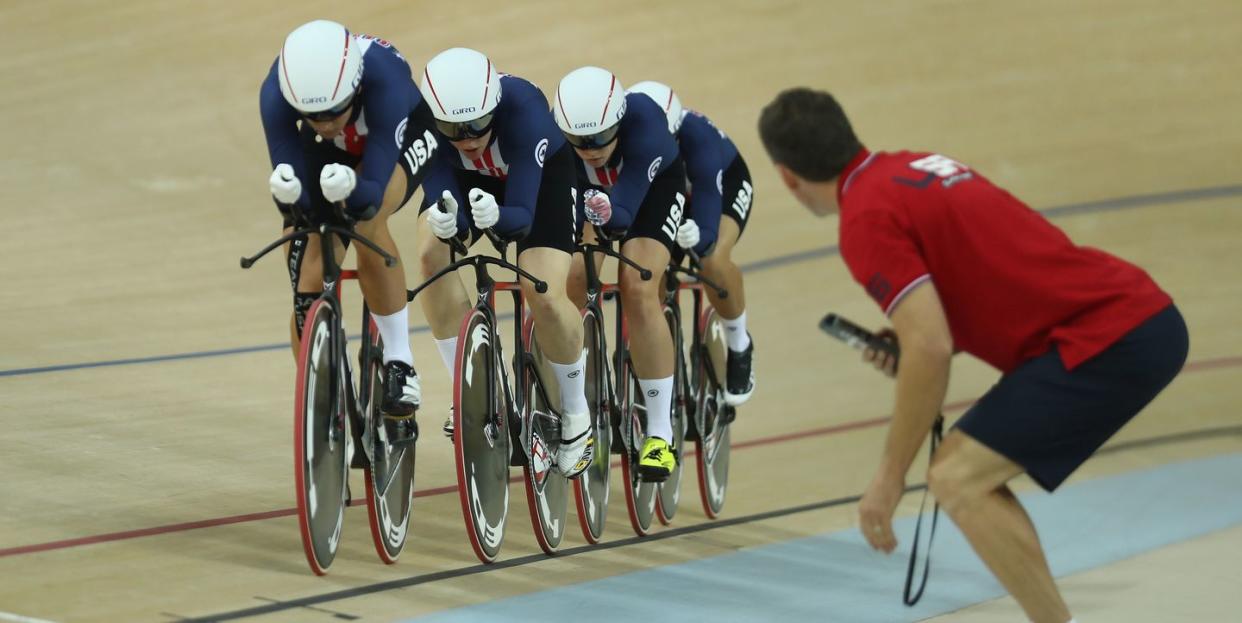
937,434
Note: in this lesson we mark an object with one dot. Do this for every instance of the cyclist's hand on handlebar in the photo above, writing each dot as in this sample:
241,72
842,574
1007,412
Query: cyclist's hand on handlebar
597,206
688,234
285,185
337,181
483,208
444,222
883,361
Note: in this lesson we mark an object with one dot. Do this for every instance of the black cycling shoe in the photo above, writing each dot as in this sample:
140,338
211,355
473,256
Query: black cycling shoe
740,381
402,391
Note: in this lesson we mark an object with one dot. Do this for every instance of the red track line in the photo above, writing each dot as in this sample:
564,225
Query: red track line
1197,366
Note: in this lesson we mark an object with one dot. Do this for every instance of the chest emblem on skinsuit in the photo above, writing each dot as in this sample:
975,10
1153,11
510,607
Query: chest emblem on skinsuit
491,163
604,176
353,139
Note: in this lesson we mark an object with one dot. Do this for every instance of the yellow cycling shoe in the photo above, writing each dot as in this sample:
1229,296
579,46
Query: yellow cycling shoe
657,462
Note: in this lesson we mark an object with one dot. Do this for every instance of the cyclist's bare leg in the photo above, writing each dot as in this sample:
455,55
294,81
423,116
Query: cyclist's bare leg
719,268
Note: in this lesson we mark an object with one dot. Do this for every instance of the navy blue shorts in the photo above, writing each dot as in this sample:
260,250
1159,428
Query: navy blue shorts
1050,420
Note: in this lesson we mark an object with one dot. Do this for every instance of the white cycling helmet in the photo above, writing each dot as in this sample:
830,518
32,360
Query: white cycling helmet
666,98
462,88
590,103
320,69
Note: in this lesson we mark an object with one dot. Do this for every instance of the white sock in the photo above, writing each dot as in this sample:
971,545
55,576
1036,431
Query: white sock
394,329
572,380
658,396
448,353
735,333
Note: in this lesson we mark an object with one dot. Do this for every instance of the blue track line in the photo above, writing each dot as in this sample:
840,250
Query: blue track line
1073,209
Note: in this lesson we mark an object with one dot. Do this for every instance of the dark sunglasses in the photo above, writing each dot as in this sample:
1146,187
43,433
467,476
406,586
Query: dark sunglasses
331,113
594,141
462,130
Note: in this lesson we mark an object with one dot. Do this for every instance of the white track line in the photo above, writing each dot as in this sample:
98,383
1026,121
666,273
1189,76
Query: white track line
17,618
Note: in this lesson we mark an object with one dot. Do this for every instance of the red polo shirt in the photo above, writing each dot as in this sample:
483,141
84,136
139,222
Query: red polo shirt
1012,284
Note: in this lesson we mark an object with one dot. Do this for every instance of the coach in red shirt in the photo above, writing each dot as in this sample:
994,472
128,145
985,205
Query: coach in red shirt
1084,339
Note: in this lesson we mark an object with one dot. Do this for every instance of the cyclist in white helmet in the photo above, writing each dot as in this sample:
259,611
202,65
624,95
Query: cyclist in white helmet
720,185
634,188
345,123
510,167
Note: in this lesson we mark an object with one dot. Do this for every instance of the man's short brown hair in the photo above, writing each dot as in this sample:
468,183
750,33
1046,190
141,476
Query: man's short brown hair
807,131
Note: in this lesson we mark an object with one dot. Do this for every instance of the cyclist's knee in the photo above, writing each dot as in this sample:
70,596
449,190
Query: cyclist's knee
432,258
635,291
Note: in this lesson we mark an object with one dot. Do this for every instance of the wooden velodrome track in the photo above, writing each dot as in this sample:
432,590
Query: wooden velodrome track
157,486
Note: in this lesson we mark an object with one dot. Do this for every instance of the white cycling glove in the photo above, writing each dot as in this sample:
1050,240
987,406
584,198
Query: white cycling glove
688,234
483,208
337,181
444,223
285,185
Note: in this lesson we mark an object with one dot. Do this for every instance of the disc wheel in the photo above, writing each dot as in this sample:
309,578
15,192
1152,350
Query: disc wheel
711,414
670,490
320,464
480,437
390,474
640,495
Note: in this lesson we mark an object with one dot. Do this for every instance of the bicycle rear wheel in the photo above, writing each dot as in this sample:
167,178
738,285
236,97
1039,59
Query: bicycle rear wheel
320,463
390,474
547,490
592,487
711,414
670,489
481,441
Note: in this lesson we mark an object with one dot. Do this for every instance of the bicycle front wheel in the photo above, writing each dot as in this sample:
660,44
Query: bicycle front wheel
547,490
592,487
320,462
670,489
481,440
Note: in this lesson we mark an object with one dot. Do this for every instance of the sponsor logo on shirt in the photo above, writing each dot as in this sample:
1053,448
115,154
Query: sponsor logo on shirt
879,288
399,135
541,151
654,168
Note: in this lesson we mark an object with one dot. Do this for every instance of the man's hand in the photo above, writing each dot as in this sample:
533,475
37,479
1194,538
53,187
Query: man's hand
876,508
337,181
444,222
285,185
597,206
883,361
483,208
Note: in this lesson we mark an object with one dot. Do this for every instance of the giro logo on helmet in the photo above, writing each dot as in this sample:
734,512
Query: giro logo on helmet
462,111
585,124
314,100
